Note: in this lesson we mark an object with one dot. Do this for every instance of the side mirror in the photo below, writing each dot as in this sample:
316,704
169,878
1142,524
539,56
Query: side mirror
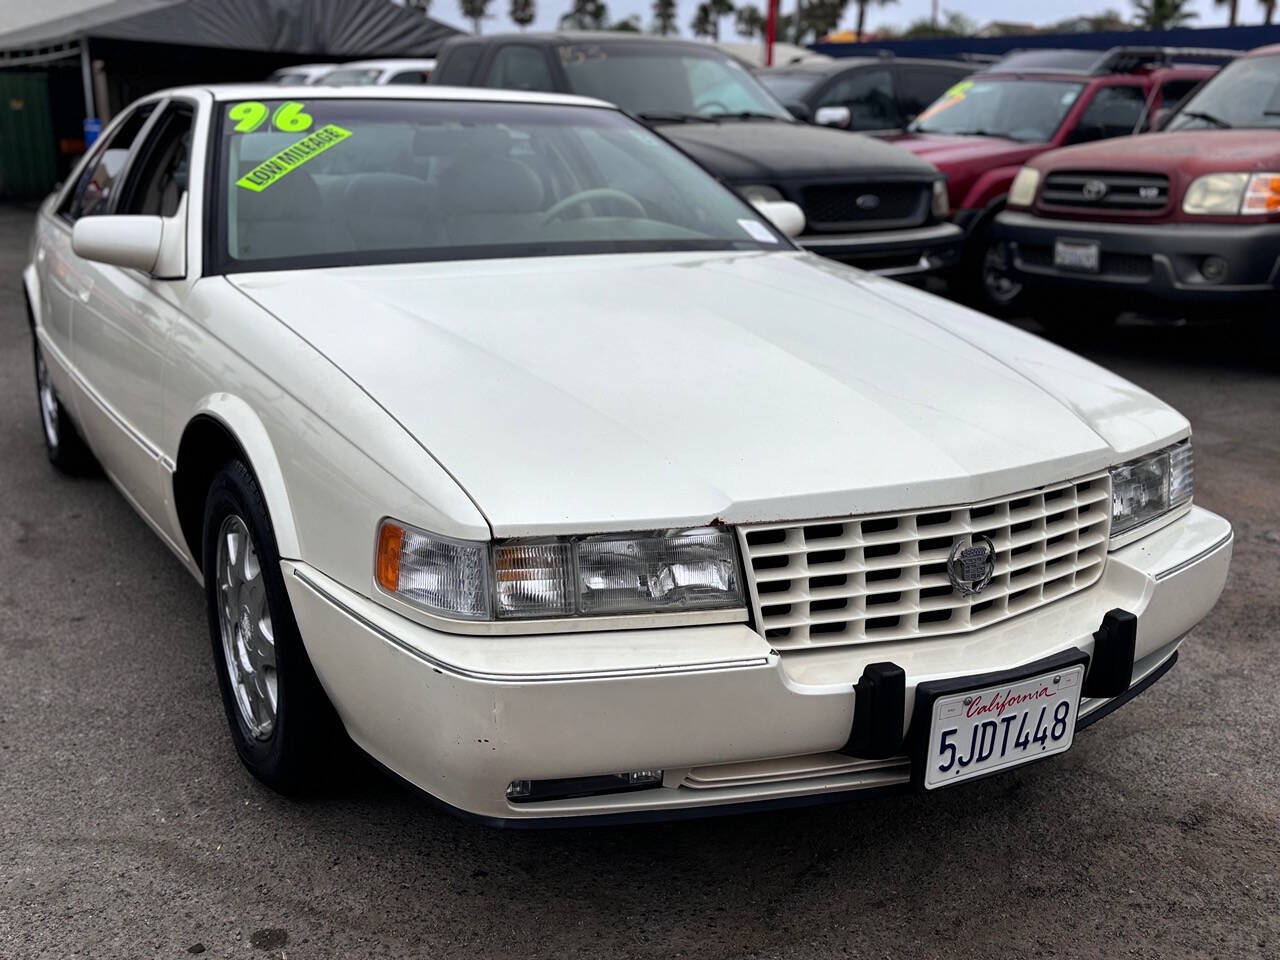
154,245
833,117
783,214
800,111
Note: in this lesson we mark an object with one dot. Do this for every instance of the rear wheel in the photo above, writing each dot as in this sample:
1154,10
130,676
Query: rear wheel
282,724
62,442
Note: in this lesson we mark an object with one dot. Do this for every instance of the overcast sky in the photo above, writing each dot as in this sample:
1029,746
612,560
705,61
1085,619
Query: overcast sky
900,12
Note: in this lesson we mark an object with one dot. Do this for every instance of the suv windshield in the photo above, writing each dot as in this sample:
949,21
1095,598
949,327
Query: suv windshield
337,182
661,81
1245,93
1025,110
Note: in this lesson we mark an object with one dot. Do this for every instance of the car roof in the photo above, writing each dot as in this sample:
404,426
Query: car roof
584,36
387,64
838,64
1116,61
1270,50
275,91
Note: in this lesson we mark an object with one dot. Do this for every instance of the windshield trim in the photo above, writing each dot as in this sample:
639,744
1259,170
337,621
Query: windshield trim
216,261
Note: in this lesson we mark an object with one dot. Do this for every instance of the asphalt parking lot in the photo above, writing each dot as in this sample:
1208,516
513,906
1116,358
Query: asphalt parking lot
129,829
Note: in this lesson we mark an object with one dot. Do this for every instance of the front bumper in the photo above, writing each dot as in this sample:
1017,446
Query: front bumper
891,253
1151,261
729,720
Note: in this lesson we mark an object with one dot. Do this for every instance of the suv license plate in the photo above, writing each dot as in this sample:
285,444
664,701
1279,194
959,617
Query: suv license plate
1076,255
980,731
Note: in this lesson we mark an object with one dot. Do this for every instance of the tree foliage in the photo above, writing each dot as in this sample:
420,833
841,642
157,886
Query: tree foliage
477,11
423,6
586,15
862,13
952,24
522,13
750,21
706,19
664,17
1163,14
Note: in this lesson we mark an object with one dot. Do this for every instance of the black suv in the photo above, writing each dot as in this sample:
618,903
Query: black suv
876,95
865,202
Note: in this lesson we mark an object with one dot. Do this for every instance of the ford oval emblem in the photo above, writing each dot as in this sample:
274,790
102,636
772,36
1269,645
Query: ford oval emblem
868,201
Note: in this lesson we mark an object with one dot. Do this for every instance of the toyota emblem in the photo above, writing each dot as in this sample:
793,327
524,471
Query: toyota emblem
1094,190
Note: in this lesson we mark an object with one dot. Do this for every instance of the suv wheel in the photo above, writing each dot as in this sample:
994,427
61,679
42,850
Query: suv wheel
282,724
1001,288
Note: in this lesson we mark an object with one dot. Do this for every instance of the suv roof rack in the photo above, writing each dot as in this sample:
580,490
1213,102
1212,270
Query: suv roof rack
1094,62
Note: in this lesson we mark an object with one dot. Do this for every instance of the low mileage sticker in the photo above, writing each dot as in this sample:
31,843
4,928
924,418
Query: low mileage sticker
291,157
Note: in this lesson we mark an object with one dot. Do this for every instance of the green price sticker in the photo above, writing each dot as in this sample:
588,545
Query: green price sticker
289,117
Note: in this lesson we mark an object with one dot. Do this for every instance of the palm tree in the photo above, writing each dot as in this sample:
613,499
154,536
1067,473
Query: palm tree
1233,9
1163,14
424,6
1268,7
705,23
522,13
477,11
664,17
862,12
750,21
586,15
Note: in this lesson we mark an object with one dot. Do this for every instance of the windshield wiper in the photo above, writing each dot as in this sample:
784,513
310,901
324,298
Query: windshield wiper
1207,118
673,118
749,115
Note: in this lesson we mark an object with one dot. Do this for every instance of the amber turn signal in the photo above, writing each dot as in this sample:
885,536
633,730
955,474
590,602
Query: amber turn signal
390,543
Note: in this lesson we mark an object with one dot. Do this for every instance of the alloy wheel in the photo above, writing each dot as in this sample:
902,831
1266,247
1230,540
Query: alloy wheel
248,640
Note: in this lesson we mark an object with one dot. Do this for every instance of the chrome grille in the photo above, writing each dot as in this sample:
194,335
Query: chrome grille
1106,190
884,577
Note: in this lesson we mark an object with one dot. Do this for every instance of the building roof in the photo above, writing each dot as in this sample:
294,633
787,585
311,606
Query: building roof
340,28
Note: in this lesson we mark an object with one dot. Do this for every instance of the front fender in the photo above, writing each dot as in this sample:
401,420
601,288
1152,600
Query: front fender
990,188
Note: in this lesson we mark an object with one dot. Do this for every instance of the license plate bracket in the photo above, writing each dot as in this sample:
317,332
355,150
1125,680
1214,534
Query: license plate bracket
927,695
1082,256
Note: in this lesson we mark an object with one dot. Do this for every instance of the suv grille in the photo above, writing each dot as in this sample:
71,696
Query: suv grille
846,207
884,577
1106,190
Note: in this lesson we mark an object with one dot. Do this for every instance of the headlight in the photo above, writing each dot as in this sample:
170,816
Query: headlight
1023,191
1217,193
941,205
1143,489
759,193
673,571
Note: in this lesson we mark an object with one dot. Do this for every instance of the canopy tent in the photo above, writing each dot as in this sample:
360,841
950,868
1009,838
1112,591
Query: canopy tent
81,61
318,28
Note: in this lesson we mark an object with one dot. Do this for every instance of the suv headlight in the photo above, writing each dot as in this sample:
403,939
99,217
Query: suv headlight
1023,191
1233,194
941,204
669,571
1144,489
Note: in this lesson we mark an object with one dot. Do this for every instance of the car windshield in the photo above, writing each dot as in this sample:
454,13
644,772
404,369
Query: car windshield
660,81
351,78
788,87
1026,110
1245,93
343,181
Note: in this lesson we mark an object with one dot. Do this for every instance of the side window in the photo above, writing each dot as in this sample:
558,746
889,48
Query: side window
459,66
869,96
160,175
407,77
93,190
920,86
519,67
1114,112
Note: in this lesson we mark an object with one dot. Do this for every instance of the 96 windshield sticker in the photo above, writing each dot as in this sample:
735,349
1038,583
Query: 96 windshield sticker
290,117
292,157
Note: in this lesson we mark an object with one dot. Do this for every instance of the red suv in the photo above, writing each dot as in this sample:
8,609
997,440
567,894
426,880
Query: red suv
983,129
1185,218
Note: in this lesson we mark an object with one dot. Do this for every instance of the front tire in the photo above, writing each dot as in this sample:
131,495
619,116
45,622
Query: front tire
63,444
282,724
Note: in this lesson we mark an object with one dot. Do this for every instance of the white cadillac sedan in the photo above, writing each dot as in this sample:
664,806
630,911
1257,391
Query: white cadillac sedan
509,444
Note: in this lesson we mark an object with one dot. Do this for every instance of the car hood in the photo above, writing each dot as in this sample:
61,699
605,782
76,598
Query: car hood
947,152
762,151
1193,153
663,390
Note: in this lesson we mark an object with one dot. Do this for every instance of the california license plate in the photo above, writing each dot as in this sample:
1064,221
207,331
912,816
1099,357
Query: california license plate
1076,255
979,731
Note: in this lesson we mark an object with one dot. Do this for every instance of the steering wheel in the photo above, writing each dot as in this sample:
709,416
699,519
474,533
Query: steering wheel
586,196
712,103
